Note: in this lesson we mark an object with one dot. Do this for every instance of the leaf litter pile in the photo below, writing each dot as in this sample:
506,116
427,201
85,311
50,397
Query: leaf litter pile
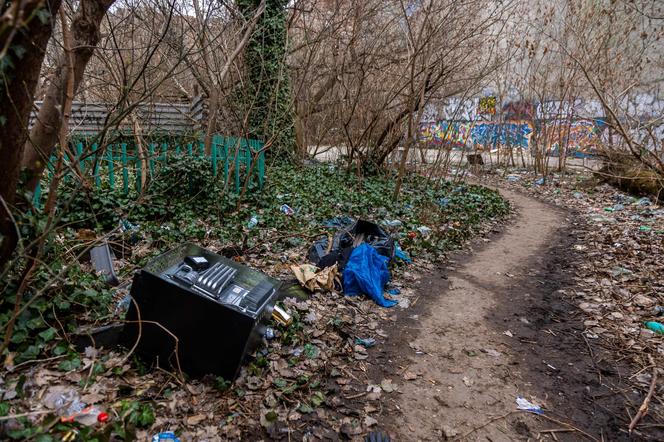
309,381
619,283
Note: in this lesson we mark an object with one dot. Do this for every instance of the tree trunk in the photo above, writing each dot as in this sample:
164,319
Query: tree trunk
44,134
30,30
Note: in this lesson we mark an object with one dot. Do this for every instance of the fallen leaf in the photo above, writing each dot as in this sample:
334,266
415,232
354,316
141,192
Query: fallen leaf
409,376
195,419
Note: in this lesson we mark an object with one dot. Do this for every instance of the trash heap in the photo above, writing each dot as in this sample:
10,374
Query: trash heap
361,252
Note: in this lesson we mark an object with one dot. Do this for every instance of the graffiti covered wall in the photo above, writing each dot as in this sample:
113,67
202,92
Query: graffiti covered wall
478,135
581,136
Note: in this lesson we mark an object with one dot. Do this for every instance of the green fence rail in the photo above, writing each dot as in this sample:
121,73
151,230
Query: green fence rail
119,164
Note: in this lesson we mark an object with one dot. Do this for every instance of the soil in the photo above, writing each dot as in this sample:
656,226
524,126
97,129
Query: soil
494,325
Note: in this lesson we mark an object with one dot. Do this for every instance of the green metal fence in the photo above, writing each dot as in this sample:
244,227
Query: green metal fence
120,166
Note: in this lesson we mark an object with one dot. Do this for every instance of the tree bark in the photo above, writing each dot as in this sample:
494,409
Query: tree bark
44,134
31,28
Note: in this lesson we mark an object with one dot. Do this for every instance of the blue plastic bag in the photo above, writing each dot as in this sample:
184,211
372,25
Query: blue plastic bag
400,254
366,272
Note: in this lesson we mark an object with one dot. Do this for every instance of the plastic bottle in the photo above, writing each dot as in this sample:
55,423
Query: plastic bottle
655,326
87,416
252,222
165,436
68,403
287,210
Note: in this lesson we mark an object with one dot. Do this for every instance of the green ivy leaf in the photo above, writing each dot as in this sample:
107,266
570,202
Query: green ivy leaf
70,364
305,408
47,334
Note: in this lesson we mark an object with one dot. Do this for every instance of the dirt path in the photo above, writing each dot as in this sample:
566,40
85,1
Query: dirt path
492,329
455,389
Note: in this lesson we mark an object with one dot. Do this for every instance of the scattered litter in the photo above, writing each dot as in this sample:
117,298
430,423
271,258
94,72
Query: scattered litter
88,416
400,254
508,333
323,254
659,310
165,437
644,202
123,305
540,181
393,292
513,178
618,271
102,260
645,228
253,222
443,202
313,278
467,381
366,273
286,209
65,401
578,195
392,223
424,231
526,405
657,327
365,342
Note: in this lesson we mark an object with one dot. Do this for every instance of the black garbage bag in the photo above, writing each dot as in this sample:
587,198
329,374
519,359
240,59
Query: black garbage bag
346,240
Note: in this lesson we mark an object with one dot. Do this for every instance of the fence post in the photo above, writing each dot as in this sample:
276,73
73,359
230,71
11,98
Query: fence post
213,151
37,196
79,154
261,165
226,153
238,152
151,148
164,150
111,167
125,172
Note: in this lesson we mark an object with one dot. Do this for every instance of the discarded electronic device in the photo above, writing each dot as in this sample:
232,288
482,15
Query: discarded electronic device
102,260
216,308
323,254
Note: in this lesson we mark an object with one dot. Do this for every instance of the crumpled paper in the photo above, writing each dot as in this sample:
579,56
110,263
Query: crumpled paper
313,278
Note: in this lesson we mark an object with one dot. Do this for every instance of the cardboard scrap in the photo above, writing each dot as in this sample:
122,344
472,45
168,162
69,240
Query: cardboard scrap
313,278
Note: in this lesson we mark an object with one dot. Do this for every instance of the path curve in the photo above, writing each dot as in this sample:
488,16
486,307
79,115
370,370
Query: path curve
454,393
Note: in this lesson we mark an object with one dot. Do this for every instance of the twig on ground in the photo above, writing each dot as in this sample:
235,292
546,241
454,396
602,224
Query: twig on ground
570,426
643,409
31,413
34,361
493,419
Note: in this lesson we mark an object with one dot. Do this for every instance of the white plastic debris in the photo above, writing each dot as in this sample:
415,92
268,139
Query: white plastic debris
526,405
